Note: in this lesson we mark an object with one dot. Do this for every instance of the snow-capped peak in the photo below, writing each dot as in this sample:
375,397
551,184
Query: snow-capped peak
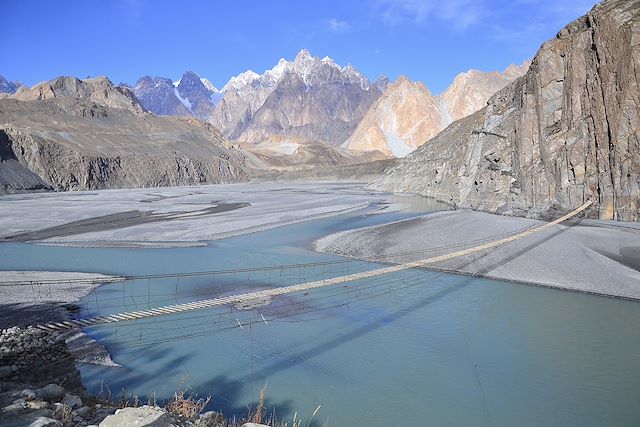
303,55
305,65
177,82
241,80
209,85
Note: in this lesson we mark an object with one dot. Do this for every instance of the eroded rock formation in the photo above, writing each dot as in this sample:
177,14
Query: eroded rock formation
565,132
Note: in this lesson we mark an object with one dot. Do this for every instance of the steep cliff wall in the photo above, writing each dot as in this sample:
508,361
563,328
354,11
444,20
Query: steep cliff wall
71,144
565,132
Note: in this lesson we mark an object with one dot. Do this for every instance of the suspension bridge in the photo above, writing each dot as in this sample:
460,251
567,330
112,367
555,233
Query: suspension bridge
253,297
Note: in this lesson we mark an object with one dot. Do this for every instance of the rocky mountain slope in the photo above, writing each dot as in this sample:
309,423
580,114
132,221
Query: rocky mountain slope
296,153
401,120
407,115
99,90
565,132
158,95
75,143
470,91
309,97
192,95
7,86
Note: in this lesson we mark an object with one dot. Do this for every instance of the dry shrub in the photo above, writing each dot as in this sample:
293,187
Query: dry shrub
257,415
186,406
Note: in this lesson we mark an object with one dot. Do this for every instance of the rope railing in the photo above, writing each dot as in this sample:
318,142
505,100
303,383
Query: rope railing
268,294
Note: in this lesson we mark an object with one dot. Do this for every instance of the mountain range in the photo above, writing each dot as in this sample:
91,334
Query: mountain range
558,131
407,115
191,95
319,100
7,86
564,133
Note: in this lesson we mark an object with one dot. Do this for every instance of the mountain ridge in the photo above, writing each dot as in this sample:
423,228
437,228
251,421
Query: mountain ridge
563,133
407,114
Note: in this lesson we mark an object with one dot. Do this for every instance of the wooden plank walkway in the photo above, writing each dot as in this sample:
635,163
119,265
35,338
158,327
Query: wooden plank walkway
271,293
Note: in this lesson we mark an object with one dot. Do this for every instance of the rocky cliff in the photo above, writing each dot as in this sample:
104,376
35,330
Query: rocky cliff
192,95
73,144
565,132
7,86
99,90
471,90
407,115
402,119
309,97
159,95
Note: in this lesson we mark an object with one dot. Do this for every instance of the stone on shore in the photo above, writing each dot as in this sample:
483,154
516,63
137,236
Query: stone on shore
145,416
45,422
51,393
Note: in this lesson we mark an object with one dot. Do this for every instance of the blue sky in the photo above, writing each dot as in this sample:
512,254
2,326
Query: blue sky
427,40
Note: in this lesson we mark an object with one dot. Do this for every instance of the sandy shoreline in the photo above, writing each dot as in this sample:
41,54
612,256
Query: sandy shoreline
598,257
176,216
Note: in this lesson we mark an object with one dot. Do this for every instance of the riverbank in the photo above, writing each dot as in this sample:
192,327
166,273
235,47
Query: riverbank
178,216
33,297
592,256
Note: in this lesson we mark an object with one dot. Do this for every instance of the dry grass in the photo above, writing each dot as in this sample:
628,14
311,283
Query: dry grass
64,415
186,406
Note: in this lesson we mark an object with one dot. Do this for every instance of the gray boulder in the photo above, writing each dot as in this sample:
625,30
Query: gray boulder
83,412
72,401
144,416
5,372
45,422
51,393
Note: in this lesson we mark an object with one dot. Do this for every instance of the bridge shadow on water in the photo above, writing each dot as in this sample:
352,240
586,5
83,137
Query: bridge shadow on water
227,391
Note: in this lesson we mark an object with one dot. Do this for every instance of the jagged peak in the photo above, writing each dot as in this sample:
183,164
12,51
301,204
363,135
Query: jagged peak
305,65
210,86
240,80
190,74
303,55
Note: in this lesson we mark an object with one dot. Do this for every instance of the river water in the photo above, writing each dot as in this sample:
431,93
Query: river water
413,348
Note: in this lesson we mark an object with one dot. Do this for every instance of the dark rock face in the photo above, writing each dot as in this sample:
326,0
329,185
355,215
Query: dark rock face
13,174
382,83
157,95
69,144
327,111
565,132
192,89
189,97
7,86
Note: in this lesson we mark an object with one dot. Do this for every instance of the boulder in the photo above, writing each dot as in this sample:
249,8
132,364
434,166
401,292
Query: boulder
5,372
51,393
83,412
28,394
45,422
37,404
72,401
144,416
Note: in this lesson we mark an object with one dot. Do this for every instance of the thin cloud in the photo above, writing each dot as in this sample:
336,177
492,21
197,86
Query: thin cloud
460,14
543,17
336,25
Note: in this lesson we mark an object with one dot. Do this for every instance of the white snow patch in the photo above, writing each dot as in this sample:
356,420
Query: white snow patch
210,86
185,101
397,146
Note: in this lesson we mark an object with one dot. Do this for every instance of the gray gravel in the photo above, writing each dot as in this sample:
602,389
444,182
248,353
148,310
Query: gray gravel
601,257
174,216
